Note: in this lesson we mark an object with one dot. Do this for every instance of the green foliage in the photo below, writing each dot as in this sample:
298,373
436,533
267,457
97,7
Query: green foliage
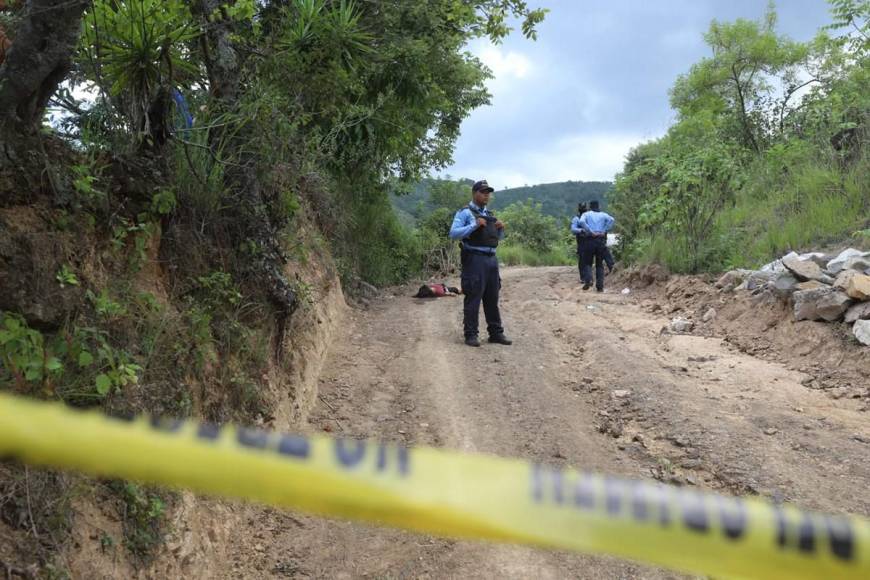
66,277
755,167
84,184
24,354
104,305
163,202
737,84
515,255
133,48
558,199
144,517
78,364
440,253
527,226
217,291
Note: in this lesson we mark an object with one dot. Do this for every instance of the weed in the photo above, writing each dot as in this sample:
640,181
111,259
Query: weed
163,202
24,354
304,293
105,306
90,368
144,517
66,277
84,183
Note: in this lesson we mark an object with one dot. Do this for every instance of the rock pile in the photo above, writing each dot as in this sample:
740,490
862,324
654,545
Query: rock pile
820,287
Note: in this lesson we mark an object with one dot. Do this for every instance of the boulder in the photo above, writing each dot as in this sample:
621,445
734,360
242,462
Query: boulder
817,257
842,280
758,279
833,306
776,266
858,263
861,330
805,303
682,325
805,270
785,284
709,315
820,304
859,287
859,311
837,264
810,285
732,278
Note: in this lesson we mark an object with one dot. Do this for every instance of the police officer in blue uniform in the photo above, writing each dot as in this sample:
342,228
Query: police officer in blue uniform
480,232
596,224
582,246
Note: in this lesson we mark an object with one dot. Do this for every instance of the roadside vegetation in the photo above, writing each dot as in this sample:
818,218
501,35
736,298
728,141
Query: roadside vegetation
177,176
770,150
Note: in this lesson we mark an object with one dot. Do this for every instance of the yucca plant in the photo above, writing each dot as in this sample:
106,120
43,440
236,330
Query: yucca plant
137,48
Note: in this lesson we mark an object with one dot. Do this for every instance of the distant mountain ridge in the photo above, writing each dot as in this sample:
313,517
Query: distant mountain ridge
558,199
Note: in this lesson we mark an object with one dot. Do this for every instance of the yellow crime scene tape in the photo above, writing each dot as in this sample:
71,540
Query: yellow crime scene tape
447,493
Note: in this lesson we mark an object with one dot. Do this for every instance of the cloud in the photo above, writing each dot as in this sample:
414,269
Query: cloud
579,157
505,64
595,84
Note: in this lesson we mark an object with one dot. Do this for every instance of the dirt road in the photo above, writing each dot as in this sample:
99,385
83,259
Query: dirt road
590,381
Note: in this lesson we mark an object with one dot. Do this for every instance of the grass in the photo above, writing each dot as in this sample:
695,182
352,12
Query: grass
816,203
510,255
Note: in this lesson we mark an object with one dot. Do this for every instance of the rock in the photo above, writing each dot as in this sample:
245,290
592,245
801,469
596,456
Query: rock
842,280
861,330
777,267
859,263
820,304
859,287
810,285
805,270
682,325
367,290
832,306
732,278
709,315
838,263
817,257
858,312
785,284
770,431
805,303
620,394
758,279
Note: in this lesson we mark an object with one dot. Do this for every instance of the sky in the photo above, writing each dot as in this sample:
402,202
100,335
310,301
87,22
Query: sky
570,105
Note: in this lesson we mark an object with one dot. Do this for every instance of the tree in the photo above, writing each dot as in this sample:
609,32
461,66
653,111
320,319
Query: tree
38,60
529,227
738,82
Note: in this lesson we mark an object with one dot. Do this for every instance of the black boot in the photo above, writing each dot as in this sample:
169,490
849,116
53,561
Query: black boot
472,341
500,339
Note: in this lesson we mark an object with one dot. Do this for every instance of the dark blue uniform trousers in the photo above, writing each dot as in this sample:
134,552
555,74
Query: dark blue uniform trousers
480,282
597,250
582,251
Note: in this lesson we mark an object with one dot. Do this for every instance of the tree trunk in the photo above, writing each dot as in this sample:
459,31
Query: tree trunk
246,210
38,60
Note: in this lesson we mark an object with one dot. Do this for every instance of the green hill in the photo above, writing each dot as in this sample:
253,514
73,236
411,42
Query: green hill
557,199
